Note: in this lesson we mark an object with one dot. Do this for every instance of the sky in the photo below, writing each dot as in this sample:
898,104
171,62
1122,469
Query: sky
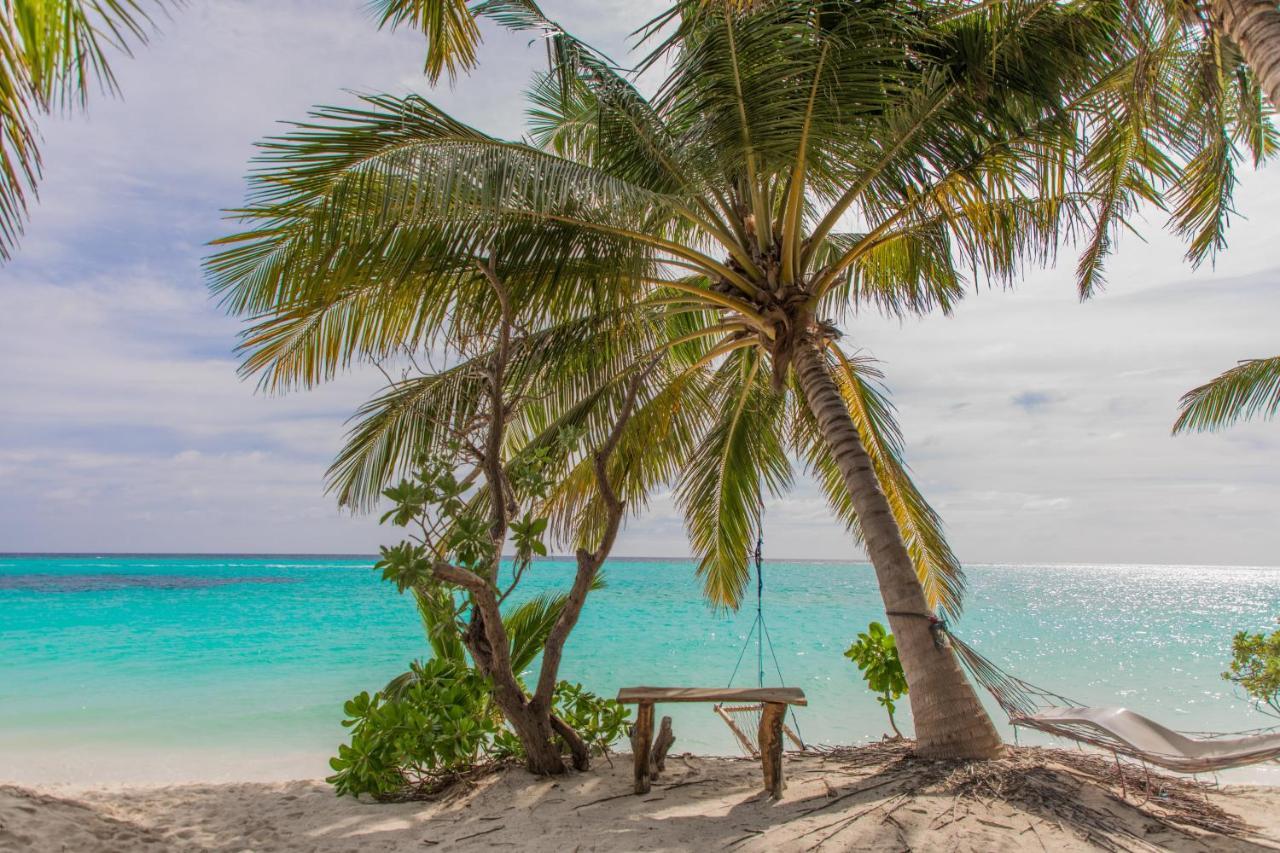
1037,425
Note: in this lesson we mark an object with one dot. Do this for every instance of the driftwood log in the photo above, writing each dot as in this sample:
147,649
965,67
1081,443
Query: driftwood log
661,746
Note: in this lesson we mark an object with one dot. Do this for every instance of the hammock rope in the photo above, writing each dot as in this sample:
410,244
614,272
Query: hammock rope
760,631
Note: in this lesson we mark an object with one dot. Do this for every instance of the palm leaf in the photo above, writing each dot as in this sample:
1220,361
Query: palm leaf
449,26
721,491
529,624
52,52
1251,389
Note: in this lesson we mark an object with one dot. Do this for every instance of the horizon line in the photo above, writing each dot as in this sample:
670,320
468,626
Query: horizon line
570,557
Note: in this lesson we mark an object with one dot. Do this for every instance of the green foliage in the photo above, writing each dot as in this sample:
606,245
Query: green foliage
1255,667
601,722
437,727
51,54
876,654
450,516
968,140
1250,389
438,720
423,732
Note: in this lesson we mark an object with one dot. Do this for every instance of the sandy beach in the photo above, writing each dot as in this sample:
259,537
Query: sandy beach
869,798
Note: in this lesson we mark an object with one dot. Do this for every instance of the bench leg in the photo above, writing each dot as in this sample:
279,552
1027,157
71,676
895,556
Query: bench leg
642,744
771,747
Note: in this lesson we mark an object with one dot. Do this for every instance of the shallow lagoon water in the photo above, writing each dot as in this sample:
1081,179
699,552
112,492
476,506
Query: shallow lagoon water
117,668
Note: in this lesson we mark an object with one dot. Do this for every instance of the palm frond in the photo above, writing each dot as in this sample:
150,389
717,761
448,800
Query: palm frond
52,53
529,623
450,28
1249,390
721,491
438,612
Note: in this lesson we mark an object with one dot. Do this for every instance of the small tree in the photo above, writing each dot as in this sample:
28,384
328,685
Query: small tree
459,524
1255,667
876,654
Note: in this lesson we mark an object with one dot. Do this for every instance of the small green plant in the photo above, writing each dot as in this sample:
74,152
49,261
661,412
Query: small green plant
1255,667
601,722
876,654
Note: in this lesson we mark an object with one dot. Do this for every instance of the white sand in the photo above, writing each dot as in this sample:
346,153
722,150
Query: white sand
858,800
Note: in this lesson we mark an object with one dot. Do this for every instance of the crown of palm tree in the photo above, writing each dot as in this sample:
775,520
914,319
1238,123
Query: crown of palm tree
800,161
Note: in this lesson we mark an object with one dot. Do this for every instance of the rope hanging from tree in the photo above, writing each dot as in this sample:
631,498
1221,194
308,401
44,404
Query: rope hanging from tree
744,719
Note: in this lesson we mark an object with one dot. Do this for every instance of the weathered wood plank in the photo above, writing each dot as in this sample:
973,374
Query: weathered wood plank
783,695
641,744
771,747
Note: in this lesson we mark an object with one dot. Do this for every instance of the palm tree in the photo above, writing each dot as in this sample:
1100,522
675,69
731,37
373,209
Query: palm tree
1175,113
799,161
1254,27
51,53
1237,45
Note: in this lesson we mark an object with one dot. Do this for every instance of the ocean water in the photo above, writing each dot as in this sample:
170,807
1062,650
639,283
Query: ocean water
169,668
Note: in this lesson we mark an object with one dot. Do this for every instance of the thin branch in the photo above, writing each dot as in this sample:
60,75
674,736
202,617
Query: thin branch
589,562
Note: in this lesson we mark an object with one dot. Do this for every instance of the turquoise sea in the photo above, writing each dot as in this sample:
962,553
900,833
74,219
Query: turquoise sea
165,668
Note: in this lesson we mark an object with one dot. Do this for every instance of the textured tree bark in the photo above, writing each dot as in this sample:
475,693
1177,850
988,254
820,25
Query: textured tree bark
531,717
1254,25
950,722
589,563
771,747
641,744
578,748
489,648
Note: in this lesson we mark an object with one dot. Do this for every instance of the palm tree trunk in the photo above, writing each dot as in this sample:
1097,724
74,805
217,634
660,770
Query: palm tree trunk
950,721
1254,25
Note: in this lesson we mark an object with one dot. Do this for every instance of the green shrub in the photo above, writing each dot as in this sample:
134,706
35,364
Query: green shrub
876,654
441,724
1255,667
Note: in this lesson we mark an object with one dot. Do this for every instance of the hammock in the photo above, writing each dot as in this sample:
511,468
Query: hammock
744,719
1117,730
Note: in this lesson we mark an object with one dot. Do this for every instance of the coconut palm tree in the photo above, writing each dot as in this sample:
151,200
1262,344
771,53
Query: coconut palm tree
51,53
800,161
1254,27
1176,112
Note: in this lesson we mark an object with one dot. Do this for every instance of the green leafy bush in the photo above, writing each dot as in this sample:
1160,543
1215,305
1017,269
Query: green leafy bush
1255,667
424,732
440,725
876,654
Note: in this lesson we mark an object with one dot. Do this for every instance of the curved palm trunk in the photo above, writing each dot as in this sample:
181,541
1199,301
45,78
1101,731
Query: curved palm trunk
950,721
1254,25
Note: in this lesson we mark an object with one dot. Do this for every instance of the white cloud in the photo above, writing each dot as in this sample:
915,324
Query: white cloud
1039,426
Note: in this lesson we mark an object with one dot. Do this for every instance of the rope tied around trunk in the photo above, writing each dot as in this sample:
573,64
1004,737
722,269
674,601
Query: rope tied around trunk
937,626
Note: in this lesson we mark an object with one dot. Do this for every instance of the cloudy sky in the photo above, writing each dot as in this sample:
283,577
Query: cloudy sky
1037,425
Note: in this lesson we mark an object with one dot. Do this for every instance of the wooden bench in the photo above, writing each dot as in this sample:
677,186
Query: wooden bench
774,699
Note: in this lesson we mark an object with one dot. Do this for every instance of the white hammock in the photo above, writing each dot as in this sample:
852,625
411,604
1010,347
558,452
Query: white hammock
1117,730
